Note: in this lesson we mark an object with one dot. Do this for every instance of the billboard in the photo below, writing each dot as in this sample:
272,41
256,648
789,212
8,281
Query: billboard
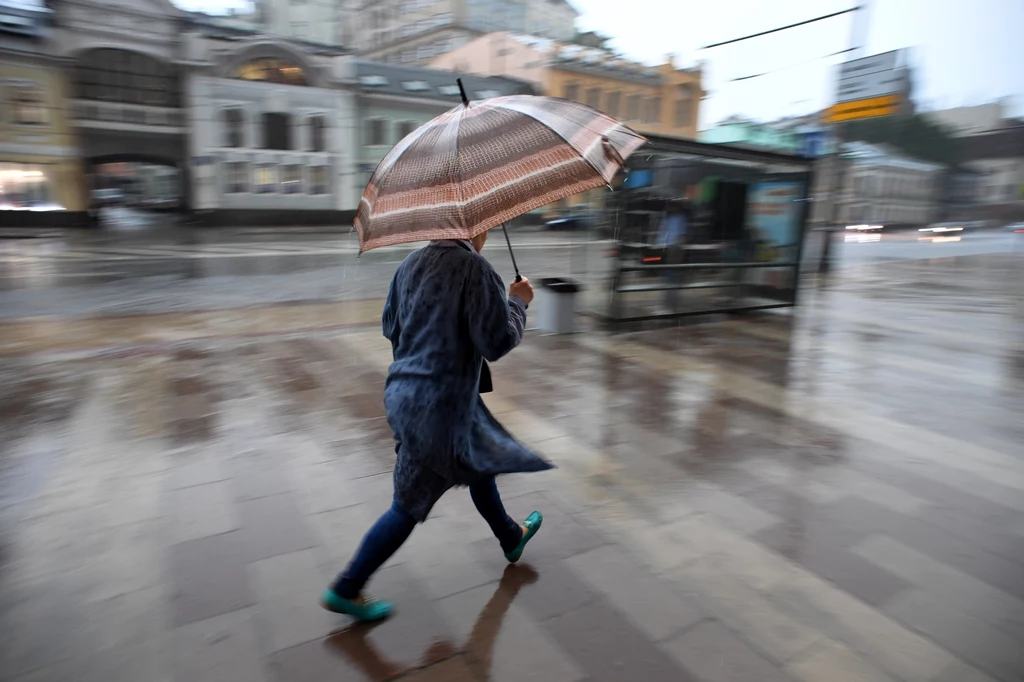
869,87
773,218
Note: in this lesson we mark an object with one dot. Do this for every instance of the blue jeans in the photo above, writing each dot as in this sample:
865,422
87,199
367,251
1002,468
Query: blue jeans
395,526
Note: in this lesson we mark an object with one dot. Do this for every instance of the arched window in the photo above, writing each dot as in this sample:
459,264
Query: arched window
234,123
115,75
684,106
272,70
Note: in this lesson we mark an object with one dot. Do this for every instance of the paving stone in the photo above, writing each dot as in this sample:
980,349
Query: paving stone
745,610
208,577
494,633
835,663
608,649
200,511
454,669
934,577
557,590
887,644
197,468
959,632
320,661
273,525
219,649
288,588
442,561
651,605
712,653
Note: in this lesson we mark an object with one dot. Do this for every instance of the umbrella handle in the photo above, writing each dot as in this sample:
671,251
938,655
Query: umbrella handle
519,278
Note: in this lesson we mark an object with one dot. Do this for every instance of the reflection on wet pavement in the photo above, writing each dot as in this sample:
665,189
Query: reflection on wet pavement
831,493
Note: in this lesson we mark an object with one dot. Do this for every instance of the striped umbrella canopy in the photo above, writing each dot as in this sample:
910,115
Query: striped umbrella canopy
485,162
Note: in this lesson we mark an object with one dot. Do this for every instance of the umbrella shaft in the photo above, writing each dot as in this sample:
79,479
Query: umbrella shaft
519,278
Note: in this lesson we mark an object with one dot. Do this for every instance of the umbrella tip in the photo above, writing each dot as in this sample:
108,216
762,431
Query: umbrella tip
462,91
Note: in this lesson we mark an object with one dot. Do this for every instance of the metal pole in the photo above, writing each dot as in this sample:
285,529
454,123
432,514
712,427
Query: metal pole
519,278
858,46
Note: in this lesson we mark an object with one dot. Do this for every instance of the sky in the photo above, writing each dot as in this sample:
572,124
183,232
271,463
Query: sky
963,51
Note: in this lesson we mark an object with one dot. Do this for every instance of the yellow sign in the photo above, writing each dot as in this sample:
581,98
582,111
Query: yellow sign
863,108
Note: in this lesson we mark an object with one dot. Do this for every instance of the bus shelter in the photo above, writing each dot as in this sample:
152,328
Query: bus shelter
698,229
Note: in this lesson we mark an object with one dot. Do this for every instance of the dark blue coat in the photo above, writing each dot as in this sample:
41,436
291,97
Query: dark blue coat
446,312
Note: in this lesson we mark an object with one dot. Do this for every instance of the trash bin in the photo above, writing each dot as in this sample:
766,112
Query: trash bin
558,305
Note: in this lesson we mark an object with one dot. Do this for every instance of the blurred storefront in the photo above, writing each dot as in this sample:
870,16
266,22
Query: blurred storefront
39,166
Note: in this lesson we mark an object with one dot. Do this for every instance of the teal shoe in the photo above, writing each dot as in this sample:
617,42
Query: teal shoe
532,524
366,609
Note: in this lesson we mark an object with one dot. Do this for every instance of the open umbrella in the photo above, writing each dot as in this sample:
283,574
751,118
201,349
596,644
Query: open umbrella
485,162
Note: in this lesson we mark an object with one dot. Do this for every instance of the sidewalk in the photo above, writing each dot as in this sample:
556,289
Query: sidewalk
836,494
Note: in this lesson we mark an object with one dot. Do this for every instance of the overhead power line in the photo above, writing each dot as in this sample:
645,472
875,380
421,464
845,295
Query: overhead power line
782,28
790,66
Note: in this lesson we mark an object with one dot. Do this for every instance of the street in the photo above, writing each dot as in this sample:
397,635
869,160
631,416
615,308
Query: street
194,443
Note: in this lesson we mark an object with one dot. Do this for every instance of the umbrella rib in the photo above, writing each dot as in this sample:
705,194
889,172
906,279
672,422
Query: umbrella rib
458,164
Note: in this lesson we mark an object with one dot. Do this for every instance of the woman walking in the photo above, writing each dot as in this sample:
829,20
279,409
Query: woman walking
446,313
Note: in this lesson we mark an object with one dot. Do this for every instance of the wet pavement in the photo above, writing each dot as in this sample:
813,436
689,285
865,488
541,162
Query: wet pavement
830,493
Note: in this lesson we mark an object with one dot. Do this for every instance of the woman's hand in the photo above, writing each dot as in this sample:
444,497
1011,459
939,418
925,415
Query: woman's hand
523,289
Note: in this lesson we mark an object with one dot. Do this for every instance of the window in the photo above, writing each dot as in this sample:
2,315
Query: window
633,108
654,110
406,127
318,180
273,71
277,130
613,104
317,136
571,91
376,131
266,178
28,106
237,177
300,29
408,56
594,98
234,120
684,106
115,75
291,179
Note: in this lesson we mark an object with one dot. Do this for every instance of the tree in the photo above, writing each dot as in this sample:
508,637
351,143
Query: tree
914,134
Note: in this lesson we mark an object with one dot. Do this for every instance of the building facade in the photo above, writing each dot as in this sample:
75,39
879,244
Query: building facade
885,187
127,75
271,126
392,101
413,32
739,131
313,21
662,100
39,154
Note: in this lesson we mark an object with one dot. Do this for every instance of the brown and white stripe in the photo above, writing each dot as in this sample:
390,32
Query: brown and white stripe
482,164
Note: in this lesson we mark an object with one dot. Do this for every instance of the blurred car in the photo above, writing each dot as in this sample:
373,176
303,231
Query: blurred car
102,198
1016,227
571,220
